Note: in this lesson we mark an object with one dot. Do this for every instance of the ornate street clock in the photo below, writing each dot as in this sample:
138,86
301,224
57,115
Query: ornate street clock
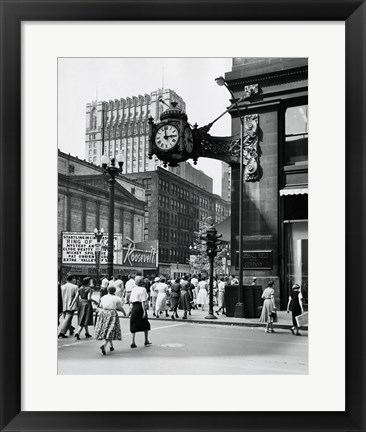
188,140
166,137
174,141
171,140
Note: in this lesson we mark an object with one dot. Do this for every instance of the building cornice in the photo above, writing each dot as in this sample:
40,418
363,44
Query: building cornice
283,76
82,180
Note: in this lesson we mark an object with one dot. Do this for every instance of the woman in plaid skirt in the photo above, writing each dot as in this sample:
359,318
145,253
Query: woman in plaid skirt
108,327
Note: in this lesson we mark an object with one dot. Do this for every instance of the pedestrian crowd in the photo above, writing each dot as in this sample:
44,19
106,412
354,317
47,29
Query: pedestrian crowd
134,298
163,296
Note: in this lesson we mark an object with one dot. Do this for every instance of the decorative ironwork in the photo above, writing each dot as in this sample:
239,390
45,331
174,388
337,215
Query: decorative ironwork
249,90
226,149
250,157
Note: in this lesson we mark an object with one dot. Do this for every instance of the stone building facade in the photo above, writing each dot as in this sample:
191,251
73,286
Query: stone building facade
275,229
83,204
175,209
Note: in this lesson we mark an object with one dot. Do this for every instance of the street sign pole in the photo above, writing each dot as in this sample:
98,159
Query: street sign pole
210,311
97,263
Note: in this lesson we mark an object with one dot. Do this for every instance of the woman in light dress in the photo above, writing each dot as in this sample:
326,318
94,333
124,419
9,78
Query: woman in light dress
202,298
268,314
215,291
221,296
162,289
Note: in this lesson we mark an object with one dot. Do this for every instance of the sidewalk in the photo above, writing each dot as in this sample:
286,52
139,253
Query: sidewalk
197,316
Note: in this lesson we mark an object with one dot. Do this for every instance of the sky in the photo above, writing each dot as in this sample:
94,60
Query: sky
82,80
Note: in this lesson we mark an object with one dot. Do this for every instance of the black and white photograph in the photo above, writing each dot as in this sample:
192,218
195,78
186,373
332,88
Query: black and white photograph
186,174
182,216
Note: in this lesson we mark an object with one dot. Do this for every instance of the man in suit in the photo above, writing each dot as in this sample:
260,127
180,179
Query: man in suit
68,293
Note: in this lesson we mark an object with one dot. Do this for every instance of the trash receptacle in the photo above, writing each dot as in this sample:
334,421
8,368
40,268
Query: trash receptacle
231,298
252,301
258,301
252,298
248,301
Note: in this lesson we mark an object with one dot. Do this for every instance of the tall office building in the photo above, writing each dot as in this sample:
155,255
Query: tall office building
120,126
226,182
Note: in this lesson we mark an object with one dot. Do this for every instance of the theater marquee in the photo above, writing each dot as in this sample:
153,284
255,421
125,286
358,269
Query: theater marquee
78,248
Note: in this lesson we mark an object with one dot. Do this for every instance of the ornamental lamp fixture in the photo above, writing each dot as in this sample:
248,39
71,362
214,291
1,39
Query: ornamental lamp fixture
110,170
220,81
110,163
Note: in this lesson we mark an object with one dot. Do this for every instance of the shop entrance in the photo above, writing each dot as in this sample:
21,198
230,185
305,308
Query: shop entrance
296,264
295,244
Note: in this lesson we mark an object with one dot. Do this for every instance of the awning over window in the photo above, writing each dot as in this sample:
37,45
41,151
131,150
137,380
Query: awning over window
294,191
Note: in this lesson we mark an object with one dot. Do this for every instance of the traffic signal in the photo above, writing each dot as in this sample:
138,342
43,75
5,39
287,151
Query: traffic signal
212,241
217,242
204,240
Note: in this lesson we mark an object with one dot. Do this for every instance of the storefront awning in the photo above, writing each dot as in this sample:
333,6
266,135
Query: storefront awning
294,191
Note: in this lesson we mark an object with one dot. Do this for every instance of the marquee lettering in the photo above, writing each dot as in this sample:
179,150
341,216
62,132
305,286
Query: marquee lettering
134,255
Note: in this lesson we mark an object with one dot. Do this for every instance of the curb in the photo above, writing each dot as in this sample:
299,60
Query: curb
218,322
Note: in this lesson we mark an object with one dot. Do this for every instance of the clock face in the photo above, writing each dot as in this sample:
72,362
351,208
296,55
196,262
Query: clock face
188,139
166,137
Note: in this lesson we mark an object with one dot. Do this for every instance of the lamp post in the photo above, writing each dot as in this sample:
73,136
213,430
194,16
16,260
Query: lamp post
192,257
239,307
110,170
97,249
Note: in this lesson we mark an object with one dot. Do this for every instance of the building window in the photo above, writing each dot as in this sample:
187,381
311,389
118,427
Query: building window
146,182
296,134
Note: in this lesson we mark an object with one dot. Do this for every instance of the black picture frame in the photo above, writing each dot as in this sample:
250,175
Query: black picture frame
353,13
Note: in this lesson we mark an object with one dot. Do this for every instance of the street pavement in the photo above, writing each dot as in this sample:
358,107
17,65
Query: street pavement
191,347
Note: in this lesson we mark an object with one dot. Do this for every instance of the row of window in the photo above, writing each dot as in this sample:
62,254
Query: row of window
111,116
173,254
182,238
179,191
203,203
126,130
204,215
164,185
163,201
173,219
179,206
